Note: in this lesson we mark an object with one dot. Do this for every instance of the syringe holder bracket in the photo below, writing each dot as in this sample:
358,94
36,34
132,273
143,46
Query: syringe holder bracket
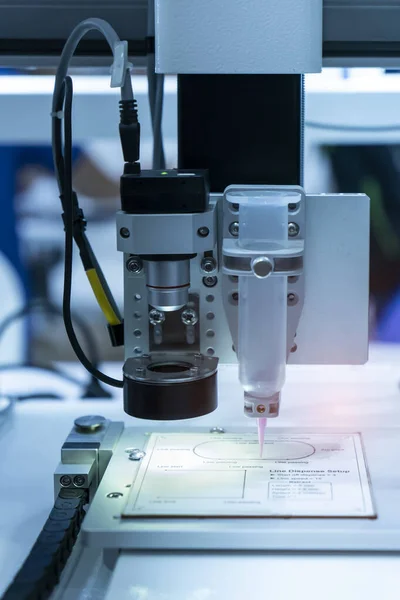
276,259
285,261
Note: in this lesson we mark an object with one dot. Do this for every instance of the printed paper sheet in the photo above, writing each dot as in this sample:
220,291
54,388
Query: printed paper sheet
222,475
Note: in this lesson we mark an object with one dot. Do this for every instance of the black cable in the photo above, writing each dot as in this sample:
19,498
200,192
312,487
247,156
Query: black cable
58,157
93,388
35,396
155,83
86,253
68,200
158,148
49,308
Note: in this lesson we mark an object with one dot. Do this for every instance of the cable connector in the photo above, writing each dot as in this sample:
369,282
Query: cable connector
129,131
78,220
120,64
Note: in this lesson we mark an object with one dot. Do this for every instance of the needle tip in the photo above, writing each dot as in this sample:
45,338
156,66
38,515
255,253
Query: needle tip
261,423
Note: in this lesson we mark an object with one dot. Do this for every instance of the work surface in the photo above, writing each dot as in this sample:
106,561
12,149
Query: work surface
355,397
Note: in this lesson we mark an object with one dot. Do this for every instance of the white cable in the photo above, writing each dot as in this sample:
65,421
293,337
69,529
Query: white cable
120,71
156,95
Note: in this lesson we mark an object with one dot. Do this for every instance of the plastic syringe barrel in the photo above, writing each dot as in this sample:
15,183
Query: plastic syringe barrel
262,343
262,335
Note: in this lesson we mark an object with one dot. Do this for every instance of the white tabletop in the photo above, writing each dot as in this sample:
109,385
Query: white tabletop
31,439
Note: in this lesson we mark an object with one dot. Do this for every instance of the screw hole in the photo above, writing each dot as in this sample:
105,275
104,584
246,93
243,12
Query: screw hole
137,315
210,281
203,232
124,232
210,333
210,316
292,299
137,333
234,298
210,298
210,351
137,350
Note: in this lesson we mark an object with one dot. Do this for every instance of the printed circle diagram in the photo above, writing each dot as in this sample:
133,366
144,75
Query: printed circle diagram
232,449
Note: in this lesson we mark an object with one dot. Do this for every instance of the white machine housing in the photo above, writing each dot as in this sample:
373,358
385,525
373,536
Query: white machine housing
263,36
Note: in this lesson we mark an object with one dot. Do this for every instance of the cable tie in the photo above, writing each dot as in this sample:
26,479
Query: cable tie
59,114
120,64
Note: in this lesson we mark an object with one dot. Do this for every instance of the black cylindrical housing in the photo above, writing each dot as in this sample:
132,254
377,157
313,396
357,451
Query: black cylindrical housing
170,402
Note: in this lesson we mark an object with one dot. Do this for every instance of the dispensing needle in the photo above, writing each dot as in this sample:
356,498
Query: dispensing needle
261,424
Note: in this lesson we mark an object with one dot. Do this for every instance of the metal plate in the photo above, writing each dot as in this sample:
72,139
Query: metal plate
333,327
104,528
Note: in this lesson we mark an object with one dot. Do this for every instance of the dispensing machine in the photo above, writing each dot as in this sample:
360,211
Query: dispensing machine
226,259
215,252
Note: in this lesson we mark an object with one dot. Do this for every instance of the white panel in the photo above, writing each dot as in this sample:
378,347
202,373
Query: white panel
234,576
222,36
333,327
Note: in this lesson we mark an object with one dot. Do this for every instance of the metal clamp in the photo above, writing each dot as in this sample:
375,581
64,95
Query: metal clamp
240,261
150,234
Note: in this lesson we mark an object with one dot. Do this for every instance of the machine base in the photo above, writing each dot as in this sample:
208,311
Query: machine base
104,527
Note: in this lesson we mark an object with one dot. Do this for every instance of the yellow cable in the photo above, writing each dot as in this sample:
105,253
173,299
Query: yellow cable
101,298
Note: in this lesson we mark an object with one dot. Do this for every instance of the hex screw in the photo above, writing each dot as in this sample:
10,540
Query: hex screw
79,480
114,495
203,232
210,281
65,480
156,317
208,264
124,232
234,228
134,264
189,317
217,430
293,229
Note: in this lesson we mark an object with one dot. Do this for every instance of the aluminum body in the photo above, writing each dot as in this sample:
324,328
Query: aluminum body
353,30
333,326
270,36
